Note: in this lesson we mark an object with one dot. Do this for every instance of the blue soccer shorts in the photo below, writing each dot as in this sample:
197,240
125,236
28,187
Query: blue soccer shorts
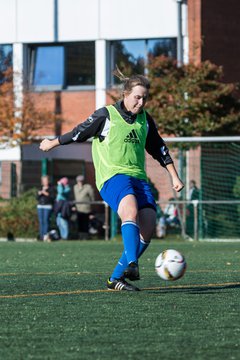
120,185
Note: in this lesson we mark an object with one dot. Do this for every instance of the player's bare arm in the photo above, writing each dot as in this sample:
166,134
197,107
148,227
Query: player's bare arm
176,181
47,144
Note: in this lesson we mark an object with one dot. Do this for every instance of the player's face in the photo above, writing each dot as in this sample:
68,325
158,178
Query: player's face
136,99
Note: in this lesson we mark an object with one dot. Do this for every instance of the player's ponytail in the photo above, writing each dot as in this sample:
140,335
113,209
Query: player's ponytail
130,82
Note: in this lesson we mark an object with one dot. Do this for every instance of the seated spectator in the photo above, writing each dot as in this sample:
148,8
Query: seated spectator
171,214
168,219
96,226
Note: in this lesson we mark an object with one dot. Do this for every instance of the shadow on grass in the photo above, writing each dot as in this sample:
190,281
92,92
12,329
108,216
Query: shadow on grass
195,289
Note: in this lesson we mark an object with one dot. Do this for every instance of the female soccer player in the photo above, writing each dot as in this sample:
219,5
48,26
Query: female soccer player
121,133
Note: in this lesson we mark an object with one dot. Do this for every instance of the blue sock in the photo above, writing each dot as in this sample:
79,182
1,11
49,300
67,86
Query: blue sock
142,247
120,268
122,262
131,237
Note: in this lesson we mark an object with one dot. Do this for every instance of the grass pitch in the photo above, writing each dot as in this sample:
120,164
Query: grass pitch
54,303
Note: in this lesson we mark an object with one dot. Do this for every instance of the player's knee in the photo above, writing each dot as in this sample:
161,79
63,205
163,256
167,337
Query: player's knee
128,208
128,214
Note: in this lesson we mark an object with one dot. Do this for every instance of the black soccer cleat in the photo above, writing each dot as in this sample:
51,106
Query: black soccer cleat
120,285
132,272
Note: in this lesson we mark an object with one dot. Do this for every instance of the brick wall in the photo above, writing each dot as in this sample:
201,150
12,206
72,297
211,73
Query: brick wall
214,32
221,32
6,185
194,30
75,107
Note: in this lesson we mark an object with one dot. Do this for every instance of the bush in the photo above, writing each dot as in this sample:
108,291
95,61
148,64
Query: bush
19,216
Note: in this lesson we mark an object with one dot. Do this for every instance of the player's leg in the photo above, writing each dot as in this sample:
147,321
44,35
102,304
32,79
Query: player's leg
119,193
146,217
146,214
147,224
127,212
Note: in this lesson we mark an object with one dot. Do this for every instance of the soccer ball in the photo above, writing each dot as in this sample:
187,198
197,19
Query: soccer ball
170,265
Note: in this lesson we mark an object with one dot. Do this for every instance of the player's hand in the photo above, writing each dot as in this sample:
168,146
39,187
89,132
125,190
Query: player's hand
45,145
177,184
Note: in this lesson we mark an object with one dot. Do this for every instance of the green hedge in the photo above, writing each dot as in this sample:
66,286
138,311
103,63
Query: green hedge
19,216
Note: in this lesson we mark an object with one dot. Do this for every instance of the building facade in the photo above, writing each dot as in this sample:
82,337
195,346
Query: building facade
66,50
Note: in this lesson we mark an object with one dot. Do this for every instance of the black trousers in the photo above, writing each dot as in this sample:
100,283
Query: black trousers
83,222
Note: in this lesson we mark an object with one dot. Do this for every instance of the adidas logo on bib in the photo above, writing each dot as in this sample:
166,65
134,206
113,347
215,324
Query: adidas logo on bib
132,137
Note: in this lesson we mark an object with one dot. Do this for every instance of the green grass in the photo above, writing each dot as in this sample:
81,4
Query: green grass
54,304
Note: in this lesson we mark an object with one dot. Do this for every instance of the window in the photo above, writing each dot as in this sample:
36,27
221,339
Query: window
49,64
5,59
167,47
132,55
80,64
62,66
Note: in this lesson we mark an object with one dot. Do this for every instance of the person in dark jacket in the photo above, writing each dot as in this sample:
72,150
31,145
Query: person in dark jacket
45,198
